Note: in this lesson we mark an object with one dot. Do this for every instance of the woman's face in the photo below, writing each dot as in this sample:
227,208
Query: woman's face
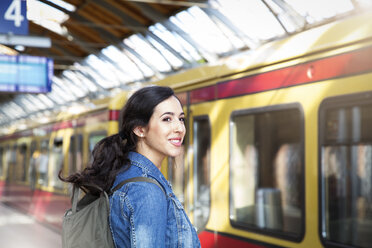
165,132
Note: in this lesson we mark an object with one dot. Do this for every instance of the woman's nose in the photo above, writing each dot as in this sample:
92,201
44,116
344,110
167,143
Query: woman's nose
179,126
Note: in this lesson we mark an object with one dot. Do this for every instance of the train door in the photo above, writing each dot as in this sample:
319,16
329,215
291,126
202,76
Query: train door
199,152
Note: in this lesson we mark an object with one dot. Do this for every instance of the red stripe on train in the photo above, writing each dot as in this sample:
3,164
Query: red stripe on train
212,240
337,66
342,65
114,115
203,94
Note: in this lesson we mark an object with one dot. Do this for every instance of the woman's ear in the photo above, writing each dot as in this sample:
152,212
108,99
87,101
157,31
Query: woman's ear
139,131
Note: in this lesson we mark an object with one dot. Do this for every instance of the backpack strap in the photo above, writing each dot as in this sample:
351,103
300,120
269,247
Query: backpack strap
74,198
76,193
137,179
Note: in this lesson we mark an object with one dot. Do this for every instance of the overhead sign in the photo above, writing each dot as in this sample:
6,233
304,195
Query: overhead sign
13,17
25,74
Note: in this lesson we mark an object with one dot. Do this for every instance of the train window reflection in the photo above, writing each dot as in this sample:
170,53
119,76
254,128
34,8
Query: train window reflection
93,140
21,164
346,167
32,170
266,172
202,143
56,163
176,175
41,163
1,163
75,155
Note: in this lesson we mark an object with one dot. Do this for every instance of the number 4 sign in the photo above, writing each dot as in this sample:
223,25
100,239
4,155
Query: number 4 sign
13,17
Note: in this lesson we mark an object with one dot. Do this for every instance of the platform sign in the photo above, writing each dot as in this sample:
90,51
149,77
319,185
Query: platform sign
13,17
25,74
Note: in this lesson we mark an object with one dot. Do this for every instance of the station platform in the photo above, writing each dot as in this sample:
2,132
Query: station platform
20,230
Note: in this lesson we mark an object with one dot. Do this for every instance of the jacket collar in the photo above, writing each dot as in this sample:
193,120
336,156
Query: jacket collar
146,165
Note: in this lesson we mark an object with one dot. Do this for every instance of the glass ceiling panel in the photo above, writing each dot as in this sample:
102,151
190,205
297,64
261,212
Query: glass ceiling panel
90,85
147,51
318,10
176,42
60,82
197,35
46,100
79,87
170,57
93,74
143,68
130,71
27,105
58,95
252,17
195,23
105,71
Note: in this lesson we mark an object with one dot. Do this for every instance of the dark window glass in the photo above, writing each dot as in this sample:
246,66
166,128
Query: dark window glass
32,171
1,162
266,172
202,145
21,165
93,140
75,154
346,173
176,175
56,163
41,162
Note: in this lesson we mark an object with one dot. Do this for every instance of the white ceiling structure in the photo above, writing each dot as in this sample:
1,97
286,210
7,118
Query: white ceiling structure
202,33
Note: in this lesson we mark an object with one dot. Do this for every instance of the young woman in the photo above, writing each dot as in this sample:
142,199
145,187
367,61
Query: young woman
141,214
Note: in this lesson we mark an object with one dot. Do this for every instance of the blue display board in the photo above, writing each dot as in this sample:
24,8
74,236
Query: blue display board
25,74
13,17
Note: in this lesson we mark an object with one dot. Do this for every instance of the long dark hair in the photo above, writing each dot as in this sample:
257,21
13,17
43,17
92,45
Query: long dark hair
110,155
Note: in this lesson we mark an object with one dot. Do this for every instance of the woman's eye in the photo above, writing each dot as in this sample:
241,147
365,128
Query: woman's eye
182,119
167,119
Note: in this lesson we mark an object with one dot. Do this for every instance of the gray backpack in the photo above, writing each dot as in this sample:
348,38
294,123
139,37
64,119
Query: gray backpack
86,224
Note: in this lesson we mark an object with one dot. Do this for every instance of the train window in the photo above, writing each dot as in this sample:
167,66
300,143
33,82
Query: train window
94,138
56,163
11,160
346,170
32,171
201,146
21,165
1,162
176,175
75,155
41,163
266,171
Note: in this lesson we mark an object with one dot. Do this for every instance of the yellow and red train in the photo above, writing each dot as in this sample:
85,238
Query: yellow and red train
278,150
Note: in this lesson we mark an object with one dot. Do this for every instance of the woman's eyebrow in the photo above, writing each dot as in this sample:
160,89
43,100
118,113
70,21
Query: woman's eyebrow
167,113
171,113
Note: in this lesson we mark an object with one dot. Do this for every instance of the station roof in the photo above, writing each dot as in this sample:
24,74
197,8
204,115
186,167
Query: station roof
102,46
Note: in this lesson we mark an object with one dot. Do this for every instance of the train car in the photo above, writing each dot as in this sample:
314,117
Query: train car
31,159
278,150
279,145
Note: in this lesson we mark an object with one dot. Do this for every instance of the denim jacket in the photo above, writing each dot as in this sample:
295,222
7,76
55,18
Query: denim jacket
141,215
